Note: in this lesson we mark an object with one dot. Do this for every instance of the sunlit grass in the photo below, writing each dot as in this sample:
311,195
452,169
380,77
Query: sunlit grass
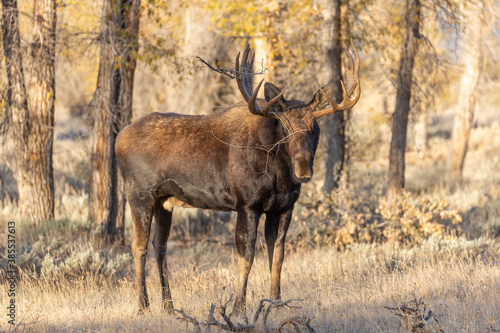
341,291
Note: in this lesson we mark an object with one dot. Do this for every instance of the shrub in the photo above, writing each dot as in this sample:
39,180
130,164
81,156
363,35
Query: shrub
368,219
65,249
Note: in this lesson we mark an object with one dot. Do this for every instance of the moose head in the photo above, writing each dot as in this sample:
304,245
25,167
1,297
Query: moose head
297,120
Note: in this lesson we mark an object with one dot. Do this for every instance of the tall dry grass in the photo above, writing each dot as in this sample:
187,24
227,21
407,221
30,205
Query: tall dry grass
345,292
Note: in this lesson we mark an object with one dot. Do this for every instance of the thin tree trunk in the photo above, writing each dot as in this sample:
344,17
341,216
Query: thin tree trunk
113,111
344,37
274,17
32,114
130,24
333,126
468,90
404,82
100,199
16,94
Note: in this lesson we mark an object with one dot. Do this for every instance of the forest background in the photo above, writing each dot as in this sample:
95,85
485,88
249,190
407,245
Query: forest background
402,221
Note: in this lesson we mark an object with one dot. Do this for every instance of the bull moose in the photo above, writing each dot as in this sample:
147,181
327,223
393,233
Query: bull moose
251,158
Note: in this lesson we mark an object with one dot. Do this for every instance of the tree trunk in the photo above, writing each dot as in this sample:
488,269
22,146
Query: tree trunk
275,13
344,37
113,111
127,66
404,82
333,127
468,90
32,114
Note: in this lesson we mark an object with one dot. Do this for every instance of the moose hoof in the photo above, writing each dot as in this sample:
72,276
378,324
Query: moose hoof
238,309
143,305
142,312
168,307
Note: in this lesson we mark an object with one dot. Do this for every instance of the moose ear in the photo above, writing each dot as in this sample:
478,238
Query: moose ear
270,92
319,100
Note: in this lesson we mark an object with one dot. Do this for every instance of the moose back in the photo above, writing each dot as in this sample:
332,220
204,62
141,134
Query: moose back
251,158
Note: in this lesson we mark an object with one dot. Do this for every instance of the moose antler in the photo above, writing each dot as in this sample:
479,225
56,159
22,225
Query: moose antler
245,83
352,77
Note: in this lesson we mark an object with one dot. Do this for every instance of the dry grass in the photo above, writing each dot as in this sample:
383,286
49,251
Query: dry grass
345,292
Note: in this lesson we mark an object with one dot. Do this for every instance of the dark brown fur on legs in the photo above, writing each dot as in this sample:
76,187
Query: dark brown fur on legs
141,206
163,220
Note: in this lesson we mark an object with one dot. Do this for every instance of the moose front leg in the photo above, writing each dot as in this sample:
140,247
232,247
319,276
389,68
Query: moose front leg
275,230
246,234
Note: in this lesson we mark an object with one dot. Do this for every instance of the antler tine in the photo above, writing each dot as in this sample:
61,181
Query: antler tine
266,112
252,59
252,104
356,59
245,83
246,51
352,70
352,78
247,68
349,67
254,108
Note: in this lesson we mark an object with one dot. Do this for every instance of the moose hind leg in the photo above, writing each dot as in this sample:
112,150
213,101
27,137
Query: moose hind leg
163,220
141,206
275,231
246,234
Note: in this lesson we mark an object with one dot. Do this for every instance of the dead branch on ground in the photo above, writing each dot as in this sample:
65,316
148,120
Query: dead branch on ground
417,316
259,321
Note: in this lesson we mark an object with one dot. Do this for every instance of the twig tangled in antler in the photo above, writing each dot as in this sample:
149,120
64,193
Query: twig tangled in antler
259,322
233,74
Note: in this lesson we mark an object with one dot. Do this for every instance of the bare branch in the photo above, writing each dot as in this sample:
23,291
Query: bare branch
259,322
416,315
231,73
243,73
189,319
272,305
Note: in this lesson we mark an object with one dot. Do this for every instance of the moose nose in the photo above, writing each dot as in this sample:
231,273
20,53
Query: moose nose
302,167
304,174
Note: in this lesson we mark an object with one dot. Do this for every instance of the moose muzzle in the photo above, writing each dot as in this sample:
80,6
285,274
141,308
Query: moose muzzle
302,167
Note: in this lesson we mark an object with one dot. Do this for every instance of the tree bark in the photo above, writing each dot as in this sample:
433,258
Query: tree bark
467,97
403,97
32,114
333,128
113,111
275,13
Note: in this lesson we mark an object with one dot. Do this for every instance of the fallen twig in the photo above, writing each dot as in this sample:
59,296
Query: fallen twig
259,322
417,316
